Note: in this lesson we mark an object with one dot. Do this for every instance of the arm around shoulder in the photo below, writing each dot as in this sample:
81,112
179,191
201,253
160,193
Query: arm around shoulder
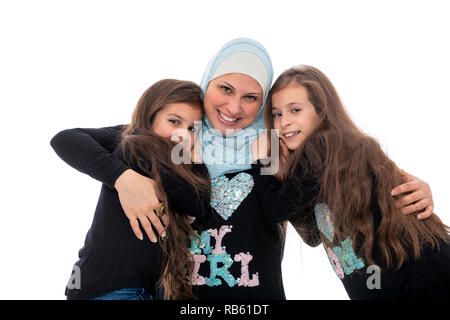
90,151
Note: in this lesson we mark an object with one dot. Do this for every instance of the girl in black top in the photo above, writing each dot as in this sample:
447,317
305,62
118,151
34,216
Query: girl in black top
332,169
113,263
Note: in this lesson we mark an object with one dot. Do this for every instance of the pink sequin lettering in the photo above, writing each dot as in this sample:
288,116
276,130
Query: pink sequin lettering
335,263
219,261
219,236
245,280
198,280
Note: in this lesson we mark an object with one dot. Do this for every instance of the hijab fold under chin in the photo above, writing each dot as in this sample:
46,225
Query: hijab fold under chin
232,153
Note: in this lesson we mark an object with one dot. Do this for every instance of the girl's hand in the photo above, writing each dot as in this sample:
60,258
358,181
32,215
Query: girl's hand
137,195
420,197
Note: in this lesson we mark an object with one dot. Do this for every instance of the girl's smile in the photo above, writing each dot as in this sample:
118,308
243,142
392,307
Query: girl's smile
291,135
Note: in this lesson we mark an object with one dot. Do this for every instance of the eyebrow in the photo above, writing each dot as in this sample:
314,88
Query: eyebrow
290,104
228,84
177,116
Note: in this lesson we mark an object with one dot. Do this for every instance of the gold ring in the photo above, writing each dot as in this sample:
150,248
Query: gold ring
161,210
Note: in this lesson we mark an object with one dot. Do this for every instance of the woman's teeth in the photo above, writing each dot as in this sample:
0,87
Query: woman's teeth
227,118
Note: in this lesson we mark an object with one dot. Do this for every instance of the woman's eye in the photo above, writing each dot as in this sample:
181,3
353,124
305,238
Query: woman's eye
226,89
296,110
251,98
173,121
276,115
192,129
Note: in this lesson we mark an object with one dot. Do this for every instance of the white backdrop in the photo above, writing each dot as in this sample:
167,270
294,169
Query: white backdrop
68,64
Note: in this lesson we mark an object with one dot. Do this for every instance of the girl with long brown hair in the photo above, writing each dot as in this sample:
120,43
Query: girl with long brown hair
239,252
336,184
113,263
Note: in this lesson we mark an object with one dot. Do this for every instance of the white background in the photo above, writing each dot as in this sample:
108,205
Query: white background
71,64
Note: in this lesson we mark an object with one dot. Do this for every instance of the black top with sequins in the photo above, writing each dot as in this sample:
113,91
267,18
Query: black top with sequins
296,199
112,257
238,255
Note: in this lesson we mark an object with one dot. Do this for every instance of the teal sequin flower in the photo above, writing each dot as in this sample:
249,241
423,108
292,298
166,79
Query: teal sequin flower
322,213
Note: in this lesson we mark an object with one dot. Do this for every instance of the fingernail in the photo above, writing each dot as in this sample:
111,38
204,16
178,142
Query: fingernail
163,234
419,217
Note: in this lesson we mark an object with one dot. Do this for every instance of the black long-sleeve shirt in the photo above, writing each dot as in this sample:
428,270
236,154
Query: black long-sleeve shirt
112,257
90,151
426,278
292,200
240,252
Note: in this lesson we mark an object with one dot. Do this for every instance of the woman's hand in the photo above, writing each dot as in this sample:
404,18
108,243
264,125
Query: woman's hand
137,195
420,197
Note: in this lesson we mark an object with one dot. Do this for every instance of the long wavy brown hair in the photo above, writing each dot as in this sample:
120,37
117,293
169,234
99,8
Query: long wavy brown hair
150,153
353,171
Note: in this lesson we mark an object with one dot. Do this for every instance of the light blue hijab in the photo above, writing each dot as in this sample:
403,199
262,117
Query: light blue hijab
232,153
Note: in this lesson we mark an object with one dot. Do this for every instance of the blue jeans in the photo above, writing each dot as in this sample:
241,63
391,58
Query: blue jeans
126,294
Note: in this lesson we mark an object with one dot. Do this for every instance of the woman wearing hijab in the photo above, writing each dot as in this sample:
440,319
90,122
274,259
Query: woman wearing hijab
238,254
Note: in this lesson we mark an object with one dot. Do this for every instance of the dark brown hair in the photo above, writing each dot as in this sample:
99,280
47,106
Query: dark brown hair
151,154
353,171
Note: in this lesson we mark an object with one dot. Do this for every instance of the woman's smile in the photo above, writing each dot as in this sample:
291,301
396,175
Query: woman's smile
232,101
227,120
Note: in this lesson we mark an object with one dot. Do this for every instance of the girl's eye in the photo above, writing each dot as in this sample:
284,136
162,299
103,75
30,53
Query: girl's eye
276,115
173,121
192,129
296,110
226,89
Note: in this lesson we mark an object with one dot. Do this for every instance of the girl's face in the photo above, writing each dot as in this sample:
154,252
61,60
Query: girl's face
232,101
176,121
294,115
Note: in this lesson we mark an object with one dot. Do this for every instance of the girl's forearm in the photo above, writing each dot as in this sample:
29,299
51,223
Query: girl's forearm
90,151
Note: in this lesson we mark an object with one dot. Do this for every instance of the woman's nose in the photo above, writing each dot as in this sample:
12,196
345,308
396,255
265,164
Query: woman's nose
233,107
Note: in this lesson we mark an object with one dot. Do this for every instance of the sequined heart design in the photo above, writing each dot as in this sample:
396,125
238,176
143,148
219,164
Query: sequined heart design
227,195
322,213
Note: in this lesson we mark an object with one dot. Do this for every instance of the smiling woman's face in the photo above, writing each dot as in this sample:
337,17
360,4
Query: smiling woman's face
232,102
